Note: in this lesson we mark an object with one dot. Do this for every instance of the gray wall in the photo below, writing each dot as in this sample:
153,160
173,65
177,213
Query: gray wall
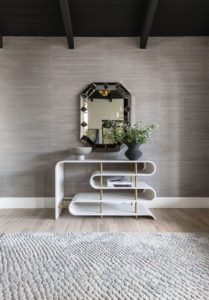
40,81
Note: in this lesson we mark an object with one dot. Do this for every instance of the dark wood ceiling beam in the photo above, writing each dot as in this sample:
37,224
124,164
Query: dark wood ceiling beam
147,23
66,16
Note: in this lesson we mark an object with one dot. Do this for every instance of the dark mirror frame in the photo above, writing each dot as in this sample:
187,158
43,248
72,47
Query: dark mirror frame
111,91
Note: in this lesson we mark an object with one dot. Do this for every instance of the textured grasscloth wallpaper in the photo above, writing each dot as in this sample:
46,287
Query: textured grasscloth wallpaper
40,82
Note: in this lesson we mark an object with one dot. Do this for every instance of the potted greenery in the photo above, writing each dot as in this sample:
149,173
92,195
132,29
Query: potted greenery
133,137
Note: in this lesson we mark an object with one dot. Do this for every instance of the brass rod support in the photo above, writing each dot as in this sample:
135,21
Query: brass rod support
136,190
101,189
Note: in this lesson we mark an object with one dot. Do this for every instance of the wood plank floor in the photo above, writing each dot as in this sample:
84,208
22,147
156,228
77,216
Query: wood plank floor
41,220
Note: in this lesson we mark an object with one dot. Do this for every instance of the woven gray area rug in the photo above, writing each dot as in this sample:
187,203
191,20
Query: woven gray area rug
104,266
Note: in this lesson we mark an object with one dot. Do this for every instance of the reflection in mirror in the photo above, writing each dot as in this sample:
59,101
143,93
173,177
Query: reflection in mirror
103,106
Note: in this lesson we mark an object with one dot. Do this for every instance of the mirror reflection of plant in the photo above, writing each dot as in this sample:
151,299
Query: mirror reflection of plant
118,134
108,129
108,136
108,123
136,134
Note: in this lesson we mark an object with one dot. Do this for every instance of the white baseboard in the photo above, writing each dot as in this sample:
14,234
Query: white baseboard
179,202
26,202
159,202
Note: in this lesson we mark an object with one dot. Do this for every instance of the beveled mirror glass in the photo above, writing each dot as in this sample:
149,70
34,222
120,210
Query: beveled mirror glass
102,105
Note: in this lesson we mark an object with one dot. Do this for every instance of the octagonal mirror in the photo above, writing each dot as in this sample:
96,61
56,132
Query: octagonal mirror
103,105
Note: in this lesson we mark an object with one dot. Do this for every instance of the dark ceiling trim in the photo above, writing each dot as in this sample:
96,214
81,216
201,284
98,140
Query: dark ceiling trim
66,16
147,24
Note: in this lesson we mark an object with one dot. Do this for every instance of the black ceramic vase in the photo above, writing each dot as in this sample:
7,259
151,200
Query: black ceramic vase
133,152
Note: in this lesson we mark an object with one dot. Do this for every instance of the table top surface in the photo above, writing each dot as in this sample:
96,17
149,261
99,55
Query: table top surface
105,161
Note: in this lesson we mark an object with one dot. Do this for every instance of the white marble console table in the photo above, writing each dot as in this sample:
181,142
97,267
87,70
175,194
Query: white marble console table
127,201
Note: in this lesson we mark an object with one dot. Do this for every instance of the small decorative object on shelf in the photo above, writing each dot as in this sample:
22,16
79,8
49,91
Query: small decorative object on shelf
119,182
80,152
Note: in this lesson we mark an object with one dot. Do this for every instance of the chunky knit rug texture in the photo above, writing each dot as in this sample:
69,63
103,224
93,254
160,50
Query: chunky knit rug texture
104,266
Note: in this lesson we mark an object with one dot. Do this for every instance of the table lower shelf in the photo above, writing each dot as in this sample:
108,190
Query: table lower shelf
89,204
